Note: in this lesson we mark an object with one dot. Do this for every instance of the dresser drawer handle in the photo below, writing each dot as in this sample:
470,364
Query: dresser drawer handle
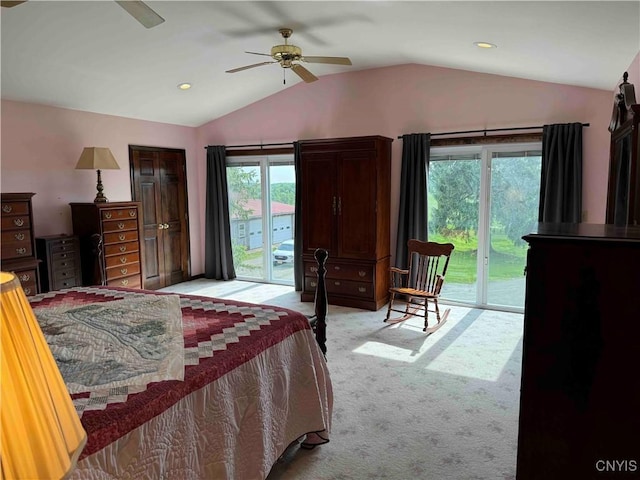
123,248
107,214
19,236
123,271
18,222
120,225
63,264
121,236
64,255
337,284
362,273
337,267
25,277
65,284
7,208
123,259
313,269
124,282
314,284
362,289
21,251
63,242
64,274
132,213
27,291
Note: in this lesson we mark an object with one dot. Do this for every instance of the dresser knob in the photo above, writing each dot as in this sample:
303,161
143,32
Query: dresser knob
337,267
123,248
123,271
18,222
124,282
21,251
7,208
25,277
27,291
19,236
123,259
314,269
337,284
362,273
132,213
122,236
362,289
107,214
120,225
314,284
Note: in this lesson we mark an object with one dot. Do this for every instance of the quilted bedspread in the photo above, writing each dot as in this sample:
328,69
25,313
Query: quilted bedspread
254,381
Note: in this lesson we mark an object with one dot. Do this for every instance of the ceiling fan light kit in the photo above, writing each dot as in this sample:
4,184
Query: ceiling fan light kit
288,55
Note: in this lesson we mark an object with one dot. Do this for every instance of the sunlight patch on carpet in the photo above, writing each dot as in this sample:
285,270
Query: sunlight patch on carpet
481,351
392,352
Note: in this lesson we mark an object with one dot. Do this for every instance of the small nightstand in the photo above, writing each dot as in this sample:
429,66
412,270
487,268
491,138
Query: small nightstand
60,267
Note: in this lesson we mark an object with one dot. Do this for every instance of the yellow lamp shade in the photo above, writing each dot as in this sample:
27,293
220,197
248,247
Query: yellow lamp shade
42,436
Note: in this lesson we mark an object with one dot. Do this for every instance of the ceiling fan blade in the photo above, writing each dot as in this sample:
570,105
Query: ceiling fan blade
303,73
255,53
9,4
332,60
141,12
239,69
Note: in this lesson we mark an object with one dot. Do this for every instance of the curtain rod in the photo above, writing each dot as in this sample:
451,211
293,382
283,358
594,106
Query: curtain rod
256,145
489,130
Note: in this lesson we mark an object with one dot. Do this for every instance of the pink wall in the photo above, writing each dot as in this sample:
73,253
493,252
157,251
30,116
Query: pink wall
40,148
415,98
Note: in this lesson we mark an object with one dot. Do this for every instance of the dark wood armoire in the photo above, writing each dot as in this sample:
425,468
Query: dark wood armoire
623,193
346,193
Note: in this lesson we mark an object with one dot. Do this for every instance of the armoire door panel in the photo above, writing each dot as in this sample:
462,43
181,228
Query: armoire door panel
319,192
357,216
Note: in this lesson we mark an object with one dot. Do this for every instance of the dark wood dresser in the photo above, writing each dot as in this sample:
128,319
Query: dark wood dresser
18,242
580,395
346,194
59,257
110,242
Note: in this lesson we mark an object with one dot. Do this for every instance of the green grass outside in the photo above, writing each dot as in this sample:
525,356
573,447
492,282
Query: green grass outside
507,260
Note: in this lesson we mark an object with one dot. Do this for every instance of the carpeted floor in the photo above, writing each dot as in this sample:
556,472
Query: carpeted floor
407,406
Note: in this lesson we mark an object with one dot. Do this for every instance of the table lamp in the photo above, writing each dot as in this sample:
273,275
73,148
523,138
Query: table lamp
41,433
97,158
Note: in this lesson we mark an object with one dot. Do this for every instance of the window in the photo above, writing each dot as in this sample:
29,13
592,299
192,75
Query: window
483,199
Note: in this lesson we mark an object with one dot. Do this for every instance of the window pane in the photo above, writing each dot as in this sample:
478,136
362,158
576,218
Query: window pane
283,199
454,191
515,194
245,212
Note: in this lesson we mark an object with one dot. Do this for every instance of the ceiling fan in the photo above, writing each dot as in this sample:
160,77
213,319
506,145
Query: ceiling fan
288,55
138,10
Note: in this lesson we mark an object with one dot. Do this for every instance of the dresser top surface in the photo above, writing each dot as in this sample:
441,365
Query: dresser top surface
585,231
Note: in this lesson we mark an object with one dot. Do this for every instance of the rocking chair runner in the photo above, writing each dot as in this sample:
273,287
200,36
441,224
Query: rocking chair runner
421,283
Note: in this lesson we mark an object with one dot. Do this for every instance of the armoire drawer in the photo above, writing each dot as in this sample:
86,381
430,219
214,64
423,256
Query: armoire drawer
347,271
341,287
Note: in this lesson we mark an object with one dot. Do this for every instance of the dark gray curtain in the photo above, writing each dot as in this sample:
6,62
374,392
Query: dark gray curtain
561,177
412,213
218,256
298,266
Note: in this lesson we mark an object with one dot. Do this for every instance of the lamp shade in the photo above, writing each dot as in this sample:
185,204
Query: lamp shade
41,433
97,158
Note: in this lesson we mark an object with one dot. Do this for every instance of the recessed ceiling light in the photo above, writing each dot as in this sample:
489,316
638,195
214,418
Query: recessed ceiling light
184,86
485,45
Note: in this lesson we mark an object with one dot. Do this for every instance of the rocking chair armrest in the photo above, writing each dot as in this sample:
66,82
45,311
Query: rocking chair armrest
439,282
398,270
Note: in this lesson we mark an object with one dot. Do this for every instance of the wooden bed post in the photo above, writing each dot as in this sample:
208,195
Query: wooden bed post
320,321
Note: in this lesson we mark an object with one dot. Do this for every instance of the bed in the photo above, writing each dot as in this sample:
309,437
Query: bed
248,381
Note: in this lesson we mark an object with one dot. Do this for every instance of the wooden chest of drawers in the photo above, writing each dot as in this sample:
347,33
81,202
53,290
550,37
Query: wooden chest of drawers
59,257
18,247
110,242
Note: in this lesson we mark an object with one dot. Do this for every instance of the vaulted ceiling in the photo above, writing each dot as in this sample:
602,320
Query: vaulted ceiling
94,56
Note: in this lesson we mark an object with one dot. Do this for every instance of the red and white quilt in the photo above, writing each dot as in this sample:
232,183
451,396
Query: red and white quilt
254,381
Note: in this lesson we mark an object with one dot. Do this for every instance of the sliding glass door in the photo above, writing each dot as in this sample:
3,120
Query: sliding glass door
483,199
262,215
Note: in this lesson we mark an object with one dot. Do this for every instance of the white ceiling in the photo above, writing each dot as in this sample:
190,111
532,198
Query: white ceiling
93,56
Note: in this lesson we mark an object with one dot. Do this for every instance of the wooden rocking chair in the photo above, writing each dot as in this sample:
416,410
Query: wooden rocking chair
421,283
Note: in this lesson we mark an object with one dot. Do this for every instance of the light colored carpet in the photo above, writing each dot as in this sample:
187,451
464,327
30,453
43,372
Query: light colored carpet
407,406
